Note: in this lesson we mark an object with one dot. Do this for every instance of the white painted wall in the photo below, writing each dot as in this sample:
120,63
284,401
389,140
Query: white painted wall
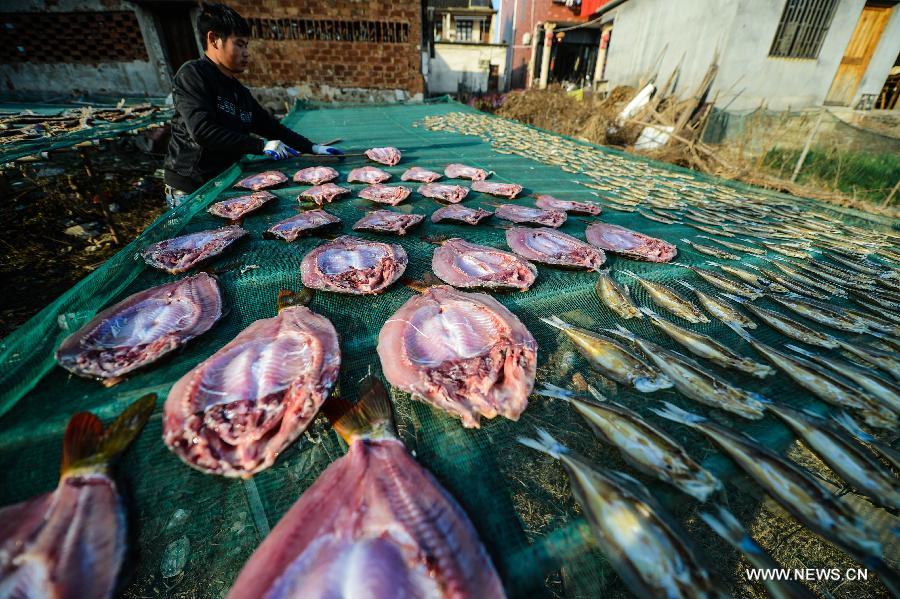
653,36
133,78
454,63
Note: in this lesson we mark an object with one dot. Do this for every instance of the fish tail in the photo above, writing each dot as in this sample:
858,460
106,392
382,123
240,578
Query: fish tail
800,350
545,443
727,527
851,426
371,416
557,322
596,394
548,390
87,444
676,414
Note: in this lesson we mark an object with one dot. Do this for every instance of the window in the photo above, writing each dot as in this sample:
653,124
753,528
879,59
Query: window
464,30
438,30
802,28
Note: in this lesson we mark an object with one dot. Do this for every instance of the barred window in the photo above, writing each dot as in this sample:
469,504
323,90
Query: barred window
383,32
802,28
463,30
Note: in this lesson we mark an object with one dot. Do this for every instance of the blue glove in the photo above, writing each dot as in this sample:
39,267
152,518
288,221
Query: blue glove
277,150
326,150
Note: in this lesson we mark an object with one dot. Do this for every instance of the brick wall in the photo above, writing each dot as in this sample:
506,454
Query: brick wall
367,44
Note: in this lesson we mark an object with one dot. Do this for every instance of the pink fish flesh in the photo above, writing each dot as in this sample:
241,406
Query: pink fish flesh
375,524
368,174
446,193
551,203
459,214
461,171
420,174
505,190
182,253
302,224
632,244
352,265
532,216
325,193
235,208
461,352
462,264
69,544
142,328
236,411
315,175
385,221
388,156
549,246
262,180
385,194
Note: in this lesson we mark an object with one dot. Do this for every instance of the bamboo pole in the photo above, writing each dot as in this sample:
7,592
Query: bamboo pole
809,140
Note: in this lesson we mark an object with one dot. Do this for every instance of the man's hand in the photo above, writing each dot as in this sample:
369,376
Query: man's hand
326,150
276,150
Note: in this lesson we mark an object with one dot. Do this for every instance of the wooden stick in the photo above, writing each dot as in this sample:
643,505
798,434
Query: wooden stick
809,140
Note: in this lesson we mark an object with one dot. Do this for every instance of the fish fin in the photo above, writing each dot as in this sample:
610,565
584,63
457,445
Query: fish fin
545,443
676,414
548,390
596,394
557,322
735,298
370,417
86,443
800,350
417,286
851,426
288,298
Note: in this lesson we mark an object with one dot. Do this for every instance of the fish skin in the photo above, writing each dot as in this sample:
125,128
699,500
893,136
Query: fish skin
532,216
236,411
388,221
616,297
452,194
375,523
792,487
549,246
388,156
240,206
315,175
463,353
669,300
301,224
388,263
262,180
727,527
824,386
455,260
788,327
706,347
419,174
847,458
644,446
323,194
368,174
180,254
631,244
611,359
697,383
643,545
70,543
104,348
719,308
504,190
460,214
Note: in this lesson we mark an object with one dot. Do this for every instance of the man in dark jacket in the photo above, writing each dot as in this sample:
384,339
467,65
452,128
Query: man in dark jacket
216,119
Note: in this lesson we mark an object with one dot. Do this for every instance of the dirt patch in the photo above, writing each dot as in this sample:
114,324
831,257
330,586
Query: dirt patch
66,216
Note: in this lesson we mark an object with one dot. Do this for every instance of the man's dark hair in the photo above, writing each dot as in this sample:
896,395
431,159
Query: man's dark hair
221,20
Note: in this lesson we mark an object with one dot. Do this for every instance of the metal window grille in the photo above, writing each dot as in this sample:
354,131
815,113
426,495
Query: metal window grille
384,32
802,28
463,30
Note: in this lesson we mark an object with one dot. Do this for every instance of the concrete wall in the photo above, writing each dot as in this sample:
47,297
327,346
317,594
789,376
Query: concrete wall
115,78
457,67
655,35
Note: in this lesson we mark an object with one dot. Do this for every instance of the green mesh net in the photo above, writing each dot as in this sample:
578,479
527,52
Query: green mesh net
191,533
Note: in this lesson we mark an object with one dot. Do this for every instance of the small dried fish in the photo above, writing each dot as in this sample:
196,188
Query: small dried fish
611,359
719,308
724,283
847,458
751,278
805,280
825,315
824,386
884,360
787,326
891,455
669,300
696,382
642,445
706,347
616,297
711,251
710,230
789,284
643,546
793,488
736,246
786,250
659,219
727,527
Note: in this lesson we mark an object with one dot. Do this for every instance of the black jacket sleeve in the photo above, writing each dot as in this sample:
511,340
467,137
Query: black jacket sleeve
199,113
266,125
